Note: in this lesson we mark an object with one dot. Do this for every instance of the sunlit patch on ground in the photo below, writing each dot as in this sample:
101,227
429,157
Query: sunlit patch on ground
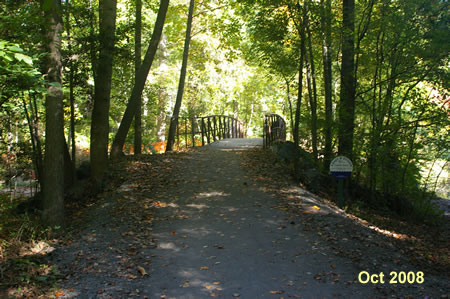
40,247
197,232
168,245
391,234
211,194
199,206
384,232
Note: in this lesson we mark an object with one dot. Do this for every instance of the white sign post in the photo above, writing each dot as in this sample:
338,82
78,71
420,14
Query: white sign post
341,167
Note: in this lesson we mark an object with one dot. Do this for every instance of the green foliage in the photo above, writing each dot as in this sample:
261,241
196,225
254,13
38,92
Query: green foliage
17,70
402,90
244,55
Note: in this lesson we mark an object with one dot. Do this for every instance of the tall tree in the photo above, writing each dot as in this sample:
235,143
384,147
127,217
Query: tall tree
137,64
53,188
176,109
312,90
161,116
327,78
301,28
100,113
72,142
348,82
141,78
31,115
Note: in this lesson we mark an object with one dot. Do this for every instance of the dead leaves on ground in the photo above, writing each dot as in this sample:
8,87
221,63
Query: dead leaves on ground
276,292
142,270
424,246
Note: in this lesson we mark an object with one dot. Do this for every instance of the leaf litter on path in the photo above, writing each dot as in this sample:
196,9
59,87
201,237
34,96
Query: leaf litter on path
151,180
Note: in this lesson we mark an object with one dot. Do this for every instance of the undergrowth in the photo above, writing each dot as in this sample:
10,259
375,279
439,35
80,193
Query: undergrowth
24,242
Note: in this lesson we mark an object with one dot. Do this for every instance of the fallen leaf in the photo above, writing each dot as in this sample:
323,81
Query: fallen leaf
173,233
216,282
316,207
209,287
142,271
276,292
59,294
204,268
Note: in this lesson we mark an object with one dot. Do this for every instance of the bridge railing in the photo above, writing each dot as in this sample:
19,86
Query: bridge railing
274,129
198,131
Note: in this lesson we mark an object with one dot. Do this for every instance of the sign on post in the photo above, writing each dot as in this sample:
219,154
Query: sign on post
341,167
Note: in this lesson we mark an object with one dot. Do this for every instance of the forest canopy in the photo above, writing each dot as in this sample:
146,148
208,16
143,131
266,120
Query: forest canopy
368,79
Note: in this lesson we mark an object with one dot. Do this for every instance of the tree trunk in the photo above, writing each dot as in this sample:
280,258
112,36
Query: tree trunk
327,79
72,71
160,127
374,134
176,110
300,78
348,82
69,167
130,111
300,88
248,125
137,65
412,145
311,74
291,113
100,113
33,121
438,176
37,158
92,50
37,134
53,199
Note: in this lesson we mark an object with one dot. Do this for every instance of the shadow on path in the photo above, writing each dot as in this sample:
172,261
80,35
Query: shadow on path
222,237
215,233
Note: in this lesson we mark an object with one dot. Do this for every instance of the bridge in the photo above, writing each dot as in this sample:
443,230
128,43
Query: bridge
199,131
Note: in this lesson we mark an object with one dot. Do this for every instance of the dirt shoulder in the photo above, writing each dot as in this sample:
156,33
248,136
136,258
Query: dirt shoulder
381,243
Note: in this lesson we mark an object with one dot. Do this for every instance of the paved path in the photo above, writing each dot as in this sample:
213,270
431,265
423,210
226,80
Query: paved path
223,238
216,233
